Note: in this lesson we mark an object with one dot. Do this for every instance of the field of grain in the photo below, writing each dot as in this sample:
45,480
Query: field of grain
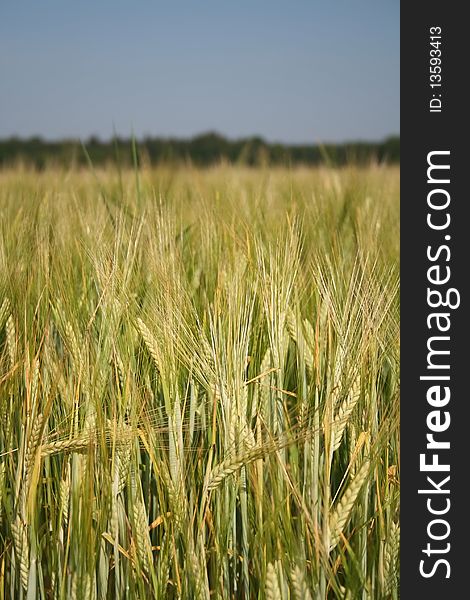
199,384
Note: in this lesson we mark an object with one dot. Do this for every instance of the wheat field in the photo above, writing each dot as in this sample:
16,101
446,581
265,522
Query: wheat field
199,383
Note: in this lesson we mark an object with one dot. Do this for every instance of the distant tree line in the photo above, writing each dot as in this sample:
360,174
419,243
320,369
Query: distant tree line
202,150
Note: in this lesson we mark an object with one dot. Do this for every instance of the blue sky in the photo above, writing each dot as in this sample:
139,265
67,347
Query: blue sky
301,71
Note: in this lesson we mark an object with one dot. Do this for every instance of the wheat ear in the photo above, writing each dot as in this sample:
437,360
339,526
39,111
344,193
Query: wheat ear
301,591
340,515
392,548
342,417
150,341
4,311
272,589
232,465
11,340
74,445
20,543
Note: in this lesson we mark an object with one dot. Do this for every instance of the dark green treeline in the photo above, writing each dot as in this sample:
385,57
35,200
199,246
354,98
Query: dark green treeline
202,150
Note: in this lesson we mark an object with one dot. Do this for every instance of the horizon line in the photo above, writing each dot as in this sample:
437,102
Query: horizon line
96,138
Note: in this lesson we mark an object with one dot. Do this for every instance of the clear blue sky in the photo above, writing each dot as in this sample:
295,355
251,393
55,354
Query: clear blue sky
299,71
